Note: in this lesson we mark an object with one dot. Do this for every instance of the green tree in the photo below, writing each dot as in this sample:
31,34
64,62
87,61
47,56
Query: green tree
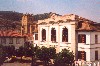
52,52
2,55
45,54
21,52
9,50
64,58
30,51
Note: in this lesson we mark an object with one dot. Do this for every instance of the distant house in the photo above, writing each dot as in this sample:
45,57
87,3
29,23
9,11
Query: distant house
72,32
10,37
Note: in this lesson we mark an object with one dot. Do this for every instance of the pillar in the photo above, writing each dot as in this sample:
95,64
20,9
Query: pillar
74,42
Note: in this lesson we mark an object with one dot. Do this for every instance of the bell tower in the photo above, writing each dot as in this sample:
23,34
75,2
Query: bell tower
27,21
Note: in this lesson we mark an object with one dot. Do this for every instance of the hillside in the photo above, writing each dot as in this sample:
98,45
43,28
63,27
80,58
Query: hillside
10,15
12,20
9,20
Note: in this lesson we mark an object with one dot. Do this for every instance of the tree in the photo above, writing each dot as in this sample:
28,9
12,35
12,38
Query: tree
21,52
2,55
30,51
45,54
64,58
9,50
52,52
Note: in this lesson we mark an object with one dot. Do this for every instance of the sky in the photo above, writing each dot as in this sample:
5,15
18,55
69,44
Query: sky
89,9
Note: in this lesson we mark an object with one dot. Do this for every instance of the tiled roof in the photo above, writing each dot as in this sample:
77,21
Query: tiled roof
10,33
88,26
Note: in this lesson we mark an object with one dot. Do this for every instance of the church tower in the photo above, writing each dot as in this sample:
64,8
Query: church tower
27,21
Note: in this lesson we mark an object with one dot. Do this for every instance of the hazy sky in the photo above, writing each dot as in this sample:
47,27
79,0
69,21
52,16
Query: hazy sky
89,9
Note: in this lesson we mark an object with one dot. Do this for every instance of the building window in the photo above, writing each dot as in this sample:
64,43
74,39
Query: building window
43,35
81,38
17,40
96,55
3,40
96,39
10,40
82,55
65,35
53,35
36,36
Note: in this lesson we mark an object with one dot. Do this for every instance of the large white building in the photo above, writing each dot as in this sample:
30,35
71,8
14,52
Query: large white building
72,32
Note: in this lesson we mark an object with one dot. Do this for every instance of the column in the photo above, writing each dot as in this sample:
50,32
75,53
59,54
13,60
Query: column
74,43
39,32
58,47
48,35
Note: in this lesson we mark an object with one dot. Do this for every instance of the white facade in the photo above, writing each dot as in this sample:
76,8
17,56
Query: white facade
15,41
58,43
90,46
72,44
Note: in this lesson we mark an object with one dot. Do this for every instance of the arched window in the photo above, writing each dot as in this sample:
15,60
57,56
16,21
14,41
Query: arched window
53,34
43,35
65,35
